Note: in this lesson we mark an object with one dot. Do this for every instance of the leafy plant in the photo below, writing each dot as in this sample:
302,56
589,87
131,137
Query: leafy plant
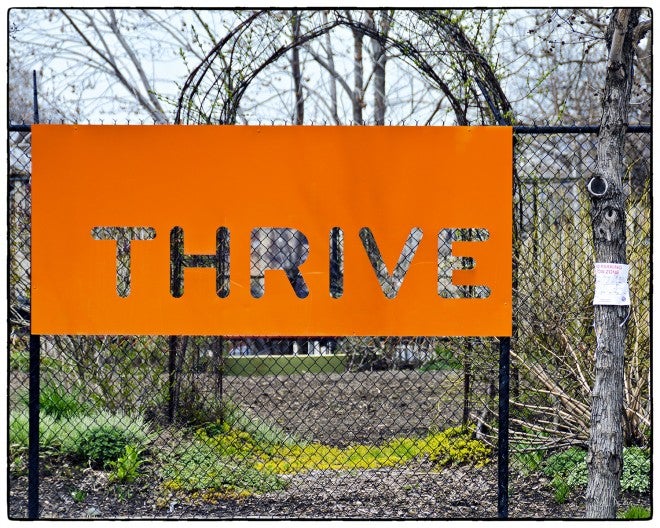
263,431
127,467
562,489
102,444
526,457
636,474
570,468
565,463
199,466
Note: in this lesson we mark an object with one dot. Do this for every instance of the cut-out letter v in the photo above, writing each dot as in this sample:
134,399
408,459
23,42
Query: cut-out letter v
391,282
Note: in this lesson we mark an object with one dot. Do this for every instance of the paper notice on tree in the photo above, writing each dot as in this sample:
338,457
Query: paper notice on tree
612,284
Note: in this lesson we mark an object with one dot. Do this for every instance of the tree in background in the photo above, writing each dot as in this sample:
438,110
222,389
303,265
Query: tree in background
605,458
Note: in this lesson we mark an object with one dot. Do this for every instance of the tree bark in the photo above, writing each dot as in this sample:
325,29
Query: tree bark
295,69
358,74
379,58
333,79
605,457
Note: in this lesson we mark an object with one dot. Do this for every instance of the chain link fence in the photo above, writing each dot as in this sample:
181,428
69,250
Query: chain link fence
341,427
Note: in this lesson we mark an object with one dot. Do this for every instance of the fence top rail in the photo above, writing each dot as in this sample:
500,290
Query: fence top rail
573,129
517,129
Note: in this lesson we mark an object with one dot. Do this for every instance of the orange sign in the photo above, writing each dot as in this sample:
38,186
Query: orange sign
272,231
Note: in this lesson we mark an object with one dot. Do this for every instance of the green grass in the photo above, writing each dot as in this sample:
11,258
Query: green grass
285,365
635,512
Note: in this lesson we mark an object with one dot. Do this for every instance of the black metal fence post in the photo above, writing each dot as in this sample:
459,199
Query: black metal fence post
33,431
34,390
503,431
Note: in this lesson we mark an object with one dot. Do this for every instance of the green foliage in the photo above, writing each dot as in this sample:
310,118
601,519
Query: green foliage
263,431
74,435
102,444
18,429
19,359
569,469
561,488
60,402
636,474
198,466
78,495
246,456
127,467
526,457
457,445
636,512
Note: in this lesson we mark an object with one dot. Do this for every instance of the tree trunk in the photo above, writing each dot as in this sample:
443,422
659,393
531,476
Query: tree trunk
358,77
605,457
295,69
379,58
333,80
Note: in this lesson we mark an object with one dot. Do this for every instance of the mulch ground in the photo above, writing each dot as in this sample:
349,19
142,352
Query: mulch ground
334,409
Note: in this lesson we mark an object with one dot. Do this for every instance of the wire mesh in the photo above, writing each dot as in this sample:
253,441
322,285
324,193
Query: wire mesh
553,356
337,427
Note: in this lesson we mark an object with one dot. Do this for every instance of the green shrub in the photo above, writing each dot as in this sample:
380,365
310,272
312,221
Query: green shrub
526,457
102,444
74,435
567,464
